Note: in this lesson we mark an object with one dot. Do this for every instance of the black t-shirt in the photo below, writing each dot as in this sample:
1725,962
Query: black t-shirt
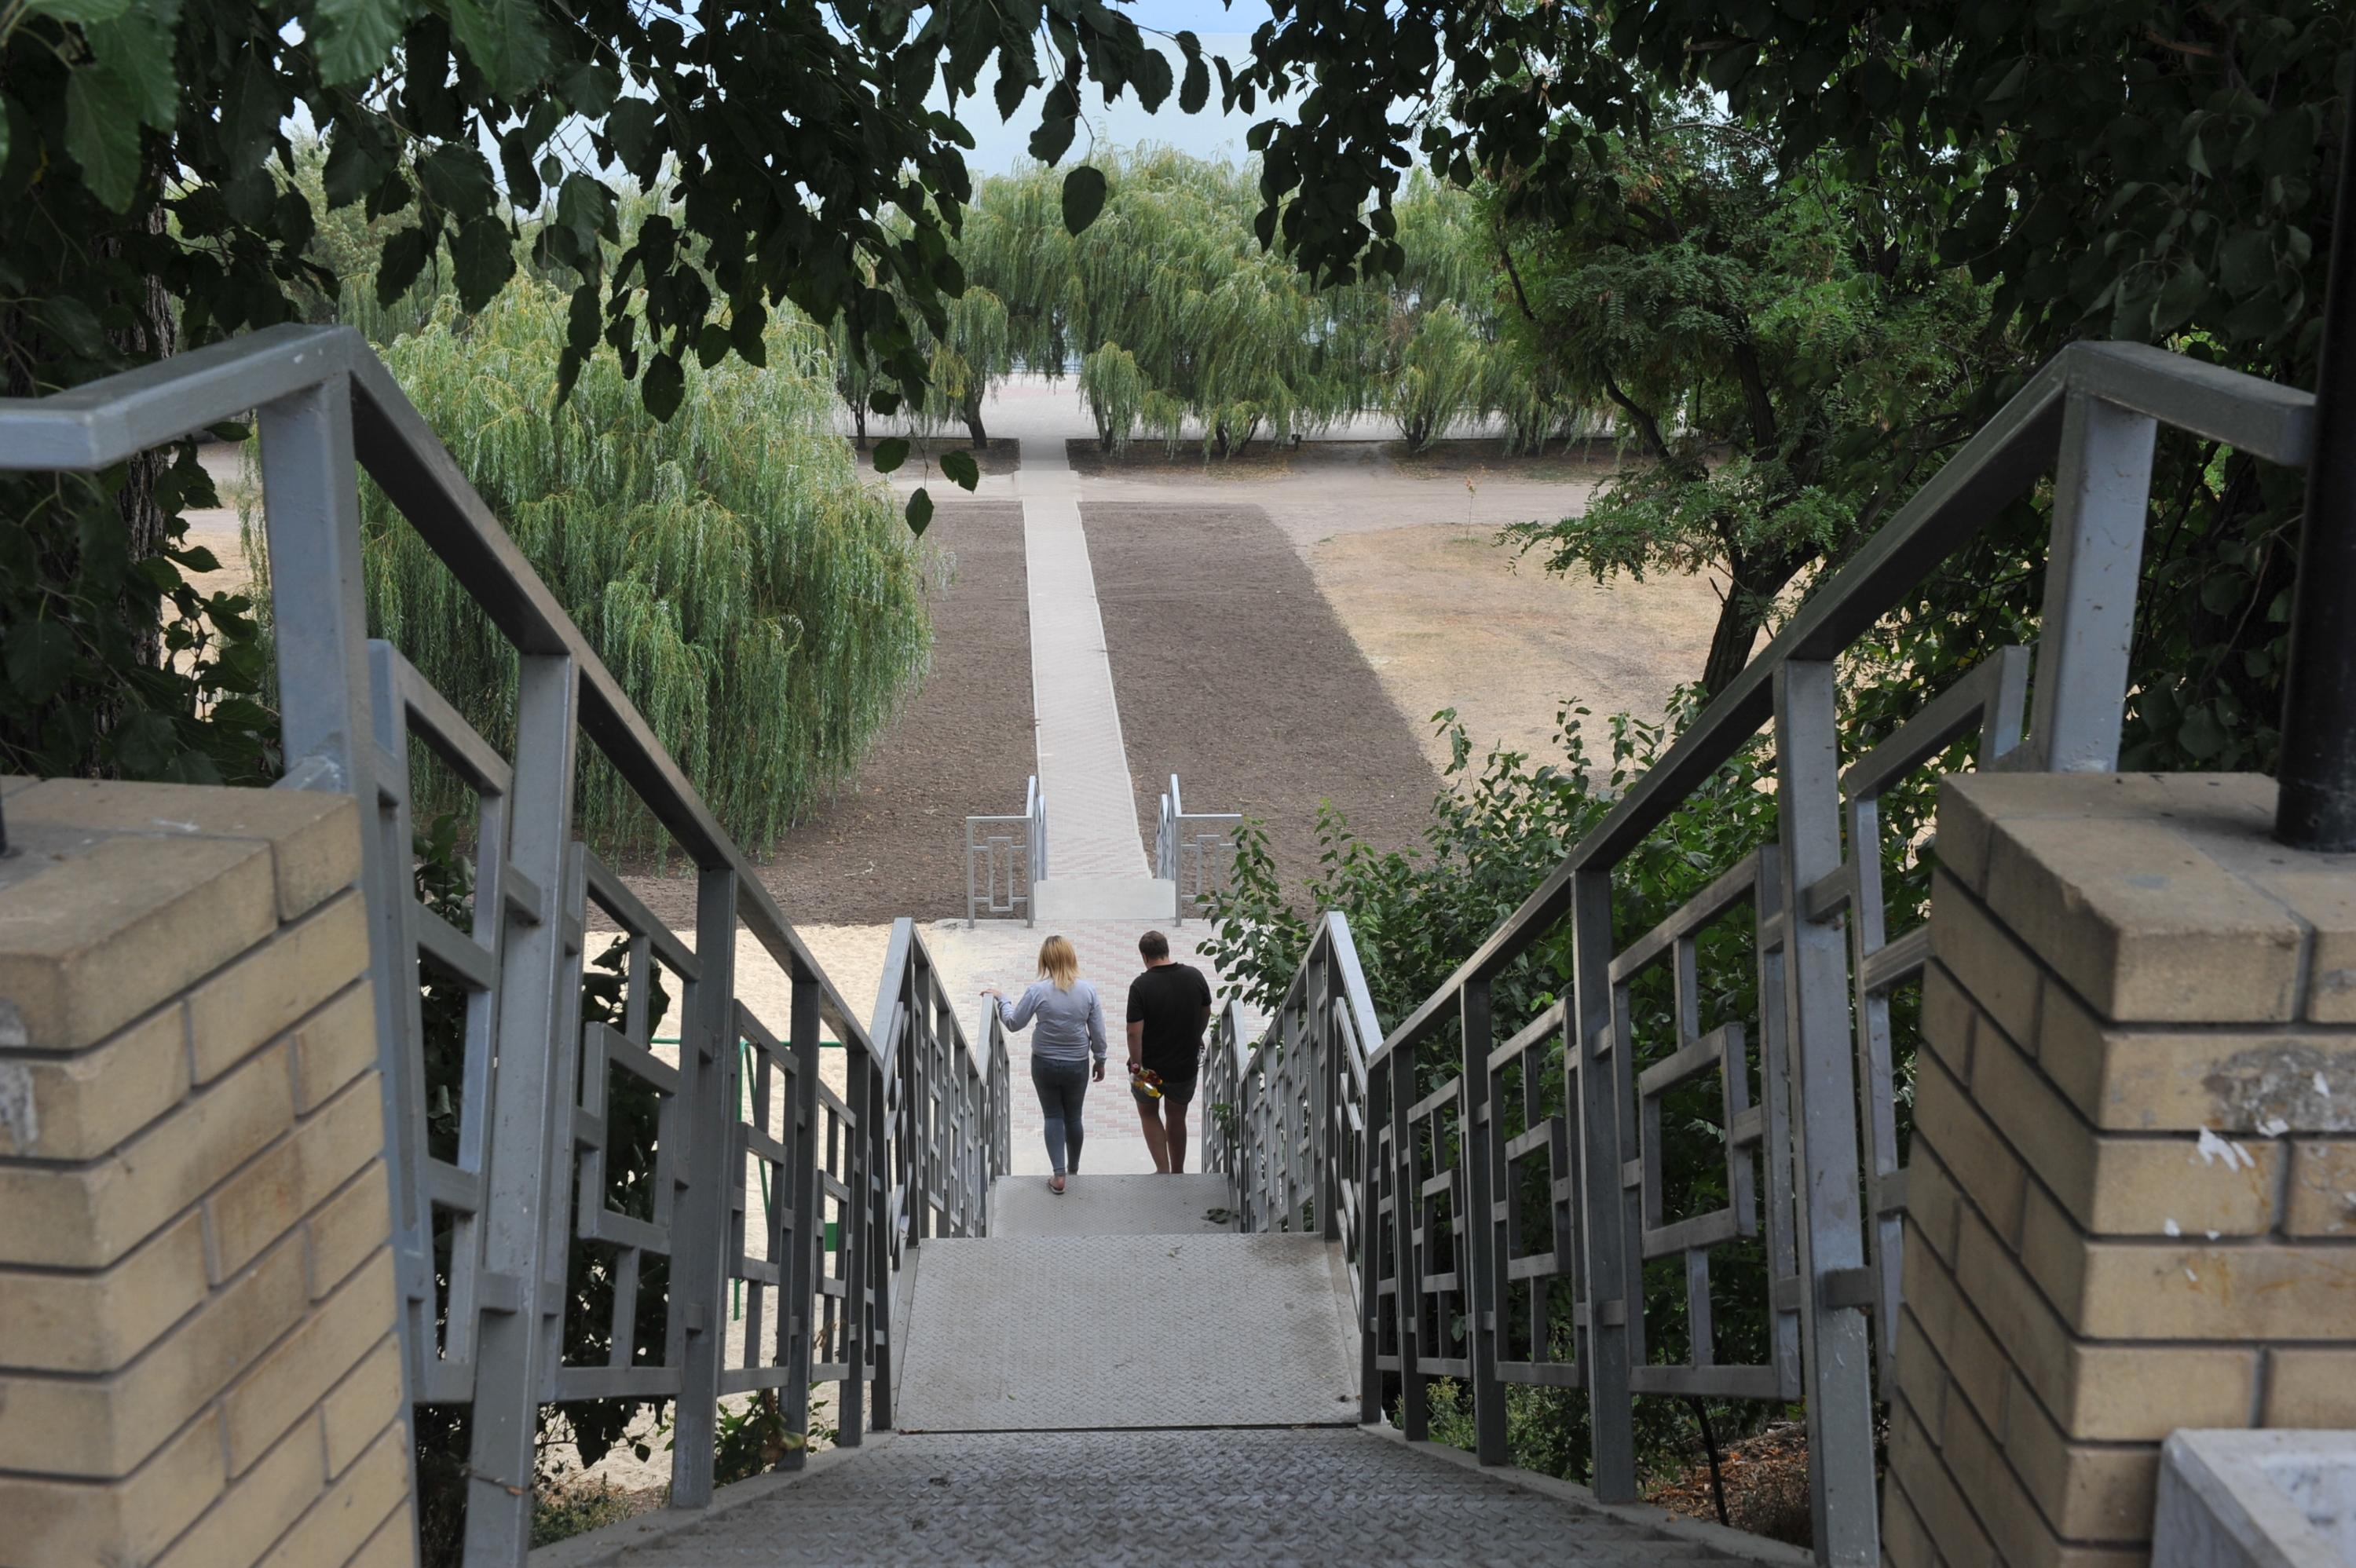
1171,1000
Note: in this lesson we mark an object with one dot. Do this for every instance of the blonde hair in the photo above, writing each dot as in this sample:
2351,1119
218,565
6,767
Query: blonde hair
1058,962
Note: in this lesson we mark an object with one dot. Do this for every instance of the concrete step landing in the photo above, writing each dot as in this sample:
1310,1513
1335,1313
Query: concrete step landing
1112,1206
1068,1332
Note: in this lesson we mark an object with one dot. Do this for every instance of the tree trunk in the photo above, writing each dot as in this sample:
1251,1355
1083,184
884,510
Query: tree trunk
1751,587
973,424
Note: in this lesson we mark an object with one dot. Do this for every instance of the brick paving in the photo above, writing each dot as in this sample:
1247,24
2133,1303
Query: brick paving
1199,1497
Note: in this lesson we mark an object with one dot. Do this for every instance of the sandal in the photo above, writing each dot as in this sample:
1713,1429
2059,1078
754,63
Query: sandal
1058,1191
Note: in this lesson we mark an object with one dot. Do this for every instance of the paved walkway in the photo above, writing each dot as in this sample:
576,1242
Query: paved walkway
1278,1497
1083,768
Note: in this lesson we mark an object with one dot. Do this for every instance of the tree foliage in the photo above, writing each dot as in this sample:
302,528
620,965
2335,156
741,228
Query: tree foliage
2158,173
1790,365
758,600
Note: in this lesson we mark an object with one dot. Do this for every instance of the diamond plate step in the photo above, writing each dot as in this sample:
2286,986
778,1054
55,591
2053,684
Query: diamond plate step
1041,1333
1111,1206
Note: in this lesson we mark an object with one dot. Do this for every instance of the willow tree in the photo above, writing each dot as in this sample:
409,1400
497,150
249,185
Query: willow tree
1229,335
758,597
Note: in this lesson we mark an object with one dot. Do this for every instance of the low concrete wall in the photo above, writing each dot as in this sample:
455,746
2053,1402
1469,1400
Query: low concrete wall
2133,1189
198,1357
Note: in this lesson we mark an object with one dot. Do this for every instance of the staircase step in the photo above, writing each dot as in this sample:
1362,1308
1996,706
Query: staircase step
1111,1206
1050,1333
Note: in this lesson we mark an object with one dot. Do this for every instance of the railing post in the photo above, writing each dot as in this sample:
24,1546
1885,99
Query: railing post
2102,492
1477,1145
1370,1252
877,1126
527,1177
1415,1402
858,1316
810,1238
707,1066
1835,1337
310,504
1614,1285
1323,1098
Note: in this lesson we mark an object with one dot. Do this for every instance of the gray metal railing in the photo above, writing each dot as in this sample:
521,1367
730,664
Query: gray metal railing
1193,851
546,1080
1006,858
1430,1181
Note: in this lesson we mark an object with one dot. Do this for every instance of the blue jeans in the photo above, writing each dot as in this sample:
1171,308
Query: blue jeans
1062,1086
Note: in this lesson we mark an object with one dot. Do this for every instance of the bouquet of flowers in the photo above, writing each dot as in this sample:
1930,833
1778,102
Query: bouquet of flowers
1145,1083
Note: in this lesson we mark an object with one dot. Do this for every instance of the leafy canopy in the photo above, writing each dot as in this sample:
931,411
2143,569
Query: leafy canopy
796,142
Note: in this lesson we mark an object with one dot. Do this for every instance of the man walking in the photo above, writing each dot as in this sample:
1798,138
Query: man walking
1169,1006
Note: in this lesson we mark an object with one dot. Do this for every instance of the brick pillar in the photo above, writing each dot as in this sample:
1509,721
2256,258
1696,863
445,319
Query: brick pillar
2133,1191
198,1361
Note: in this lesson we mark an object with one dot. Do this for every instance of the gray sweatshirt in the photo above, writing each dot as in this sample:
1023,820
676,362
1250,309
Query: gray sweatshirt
1071,1023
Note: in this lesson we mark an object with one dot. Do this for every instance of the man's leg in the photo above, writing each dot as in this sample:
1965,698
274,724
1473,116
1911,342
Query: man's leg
1174,1133
1149,1118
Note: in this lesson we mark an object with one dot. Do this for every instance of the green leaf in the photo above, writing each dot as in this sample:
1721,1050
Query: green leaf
102,137
1083,198
631,128
1195,90
353,40
40,655
664,386
890,453
1052,139
404,257
456,177
960,468
2247,262
505,40
139,52
483,255
919,513
358,157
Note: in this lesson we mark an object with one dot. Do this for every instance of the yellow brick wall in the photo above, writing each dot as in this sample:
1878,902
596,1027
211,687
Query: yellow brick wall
198,1358
2133,1180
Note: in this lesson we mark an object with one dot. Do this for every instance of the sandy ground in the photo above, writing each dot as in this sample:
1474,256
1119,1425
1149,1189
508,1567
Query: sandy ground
1450,619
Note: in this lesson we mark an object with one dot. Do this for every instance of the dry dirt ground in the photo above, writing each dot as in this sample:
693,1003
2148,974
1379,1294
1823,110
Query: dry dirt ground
1450,619
1233,672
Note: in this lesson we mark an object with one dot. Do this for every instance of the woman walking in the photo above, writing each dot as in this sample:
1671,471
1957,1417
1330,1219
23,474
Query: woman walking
1071,1030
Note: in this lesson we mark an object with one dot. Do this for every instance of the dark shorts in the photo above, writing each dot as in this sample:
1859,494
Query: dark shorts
1178,1080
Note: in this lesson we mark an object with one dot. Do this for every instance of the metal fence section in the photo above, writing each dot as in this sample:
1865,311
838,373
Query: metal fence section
1503,1184
576,1199
1193,851
1005,859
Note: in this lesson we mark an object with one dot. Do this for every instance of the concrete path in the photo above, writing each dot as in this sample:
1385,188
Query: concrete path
1112,1206
1005,953
1056,1333
1095,862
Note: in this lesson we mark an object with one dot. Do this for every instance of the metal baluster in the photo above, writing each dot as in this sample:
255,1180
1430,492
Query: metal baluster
810,1231
1415,1405
876,1127
707,1065
1370,1231
1835,1337
1477,1146
1614,1285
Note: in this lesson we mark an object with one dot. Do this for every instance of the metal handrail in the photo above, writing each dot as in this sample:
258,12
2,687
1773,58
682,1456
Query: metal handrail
1185,840
996,857
1357,1144
907,1150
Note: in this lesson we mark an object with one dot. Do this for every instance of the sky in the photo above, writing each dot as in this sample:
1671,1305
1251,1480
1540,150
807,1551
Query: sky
1000,147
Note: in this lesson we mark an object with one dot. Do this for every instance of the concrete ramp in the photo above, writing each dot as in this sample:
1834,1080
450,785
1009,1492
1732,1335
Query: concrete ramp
1094,1332
1112,1206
